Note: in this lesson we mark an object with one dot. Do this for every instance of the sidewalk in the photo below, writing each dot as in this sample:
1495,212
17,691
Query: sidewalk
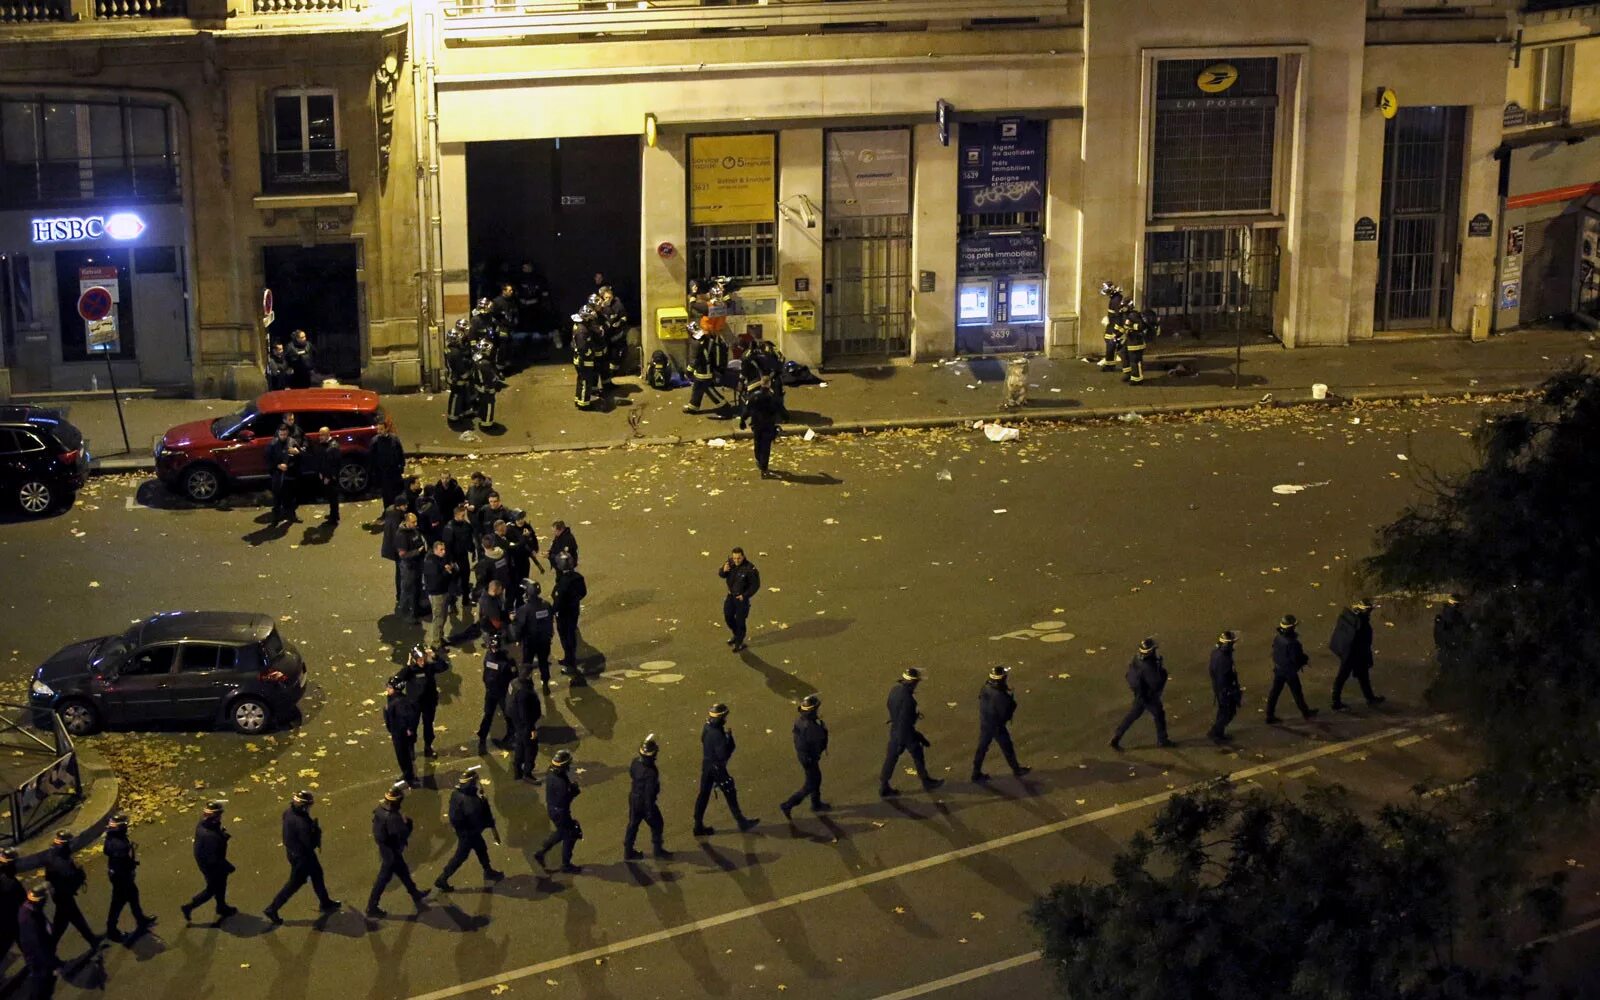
536,411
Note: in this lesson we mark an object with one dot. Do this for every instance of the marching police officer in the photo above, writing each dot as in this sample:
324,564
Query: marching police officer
903,734
391,830
1147,678
716,749
66,878
420,682
533,624
470,815
996,706
12,896
643,789
302,838
211,857
744,582
810,743
122,860
559,791
1352,644
400,719
522,716
38,943
1225,689
498,672
1288,657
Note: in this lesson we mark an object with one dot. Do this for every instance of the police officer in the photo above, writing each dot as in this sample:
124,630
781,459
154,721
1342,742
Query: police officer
996,706
903,734
400,717
716,749
302,838
211,857
533,625
761,413
391,830
810,743
1352,644
122,860
12,896
470,815
567,601
38,943
66,878
1225,689
744,583
278,371
643,790
283,468
522,713
1288,657
419,680
1147,679
559,791
498,672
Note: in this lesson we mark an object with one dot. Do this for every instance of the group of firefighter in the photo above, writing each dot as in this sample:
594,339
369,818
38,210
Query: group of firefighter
1128,330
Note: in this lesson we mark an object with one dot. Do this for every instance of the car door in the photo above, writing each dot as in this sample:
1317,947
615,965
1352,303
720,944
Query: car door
245,454
11,464
142,689
205,672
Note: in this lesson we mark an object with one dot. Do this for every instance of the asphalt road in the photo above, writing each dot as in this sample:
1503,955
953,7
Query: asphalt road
1055,554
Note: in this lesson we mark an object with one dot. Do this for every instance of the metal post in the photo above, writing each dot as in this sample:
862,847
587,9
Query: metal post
116,395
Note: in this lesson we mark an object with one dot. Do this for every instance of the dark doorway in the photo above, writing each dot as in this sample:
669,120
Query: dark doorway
1418,215
568,206
314,288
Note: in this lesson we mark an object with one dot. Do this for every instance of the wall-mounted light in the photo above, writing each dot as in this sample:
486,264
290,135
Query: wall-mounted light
651,130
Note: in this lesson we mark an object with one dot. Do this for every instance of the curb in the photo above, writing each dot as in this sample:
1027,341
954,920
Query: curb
88,821
1052,414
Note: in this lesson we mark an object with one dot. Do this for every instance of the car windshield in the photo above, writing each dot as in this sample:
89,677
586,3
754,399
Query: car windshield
223,426
110,654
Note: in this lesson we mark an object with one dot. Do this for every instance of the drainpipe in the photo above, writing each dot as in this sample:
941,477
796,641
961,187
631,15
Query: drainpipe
430,290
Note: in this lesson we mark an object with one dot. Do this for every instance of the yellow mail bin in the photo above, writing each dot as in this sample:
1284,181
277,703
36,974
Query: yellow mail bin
672,323
800,316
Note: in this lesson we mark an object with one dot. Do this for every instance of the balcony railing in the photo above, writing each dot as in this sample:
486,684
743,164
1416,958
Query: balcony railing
34,11
63,182
271,7
305,171
115,9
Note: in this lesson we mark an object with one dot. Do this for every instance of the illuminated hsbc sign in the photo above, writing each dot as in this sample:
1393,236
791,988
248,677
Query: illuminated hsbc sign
76,228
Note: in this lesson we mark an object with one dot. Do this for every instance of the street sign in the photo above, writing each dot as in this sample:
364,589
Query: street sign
943,112
95,303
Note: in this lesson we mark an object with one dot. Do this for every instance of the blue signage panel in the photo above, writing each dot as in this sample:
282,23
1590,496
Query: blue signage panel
1002,166
1002,338
1016,253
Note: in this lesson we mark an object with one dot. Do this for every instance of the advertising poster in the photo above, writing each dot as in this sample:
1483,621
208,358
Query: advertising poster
869,173
1002,166
732,179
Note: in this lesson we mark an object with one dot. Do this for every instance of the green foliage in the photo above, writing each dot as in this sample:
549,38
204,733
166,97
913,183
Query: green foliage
1248,896
1519,538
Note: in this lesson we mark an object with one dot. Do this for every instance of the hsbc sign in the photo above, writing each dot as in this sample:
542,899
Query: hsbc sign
77,228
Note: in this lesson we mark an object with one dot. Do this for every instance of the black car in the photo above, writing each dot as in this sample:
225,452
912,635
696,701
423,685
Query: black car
43,462
209,667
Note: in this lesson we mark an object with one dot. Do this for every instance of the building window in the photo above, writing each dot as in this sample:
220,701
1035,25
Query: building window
58,152
733,205
1551,73
1213,152
304,149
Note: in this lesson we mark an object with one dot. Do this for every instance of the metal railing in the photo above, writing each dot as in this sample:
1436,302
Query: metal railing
632,17
271,7
60,182
34,11
115,9
305,170
44,792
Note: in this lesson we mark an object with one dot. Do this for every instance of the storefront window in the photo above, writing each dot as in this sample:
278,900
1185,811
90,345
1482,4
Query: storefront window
77,270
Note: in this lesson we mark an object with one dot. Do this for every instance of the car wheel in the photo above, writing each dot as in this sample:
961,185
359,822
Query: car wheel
35,497
79,717
202,484
250,715
354,477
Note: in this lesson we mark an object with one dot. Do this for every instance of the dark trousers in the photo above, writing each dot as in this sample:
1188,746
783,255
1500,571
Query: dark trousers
648,815
408,598
1226,710
1362,672
467,843
494,701
216,888
1141,706
812,788
1002,736
284,499
735,612
393,865
124,892
398,589
703,387
716,777
405,755
1113,346
1133,363
330,489
300,872
67,915
764,439
389,487
41,983
588,386
430,711
524,753
891,757
565,834
567,630
537,651
1292,682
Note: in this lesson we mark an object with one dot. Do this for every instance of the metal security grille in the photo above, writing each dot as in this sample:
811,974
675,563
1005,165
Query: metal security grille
1213,279
1213,153
1417,221
866,307
747,253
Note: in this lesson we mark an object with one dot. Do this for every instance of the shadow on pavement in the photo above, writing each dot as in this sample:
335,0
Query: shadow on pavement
816,628
781,683
808,479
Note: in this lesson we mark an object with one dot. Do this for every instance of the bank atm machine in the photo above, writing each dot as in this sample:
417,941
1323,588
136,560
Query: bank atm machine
1000,313
975,302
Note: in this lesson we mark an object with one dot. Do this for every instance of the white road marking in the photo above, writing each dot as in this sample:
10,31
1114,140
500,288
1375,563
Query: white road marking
963,977
1409,740
822,892
1309,769
1573,931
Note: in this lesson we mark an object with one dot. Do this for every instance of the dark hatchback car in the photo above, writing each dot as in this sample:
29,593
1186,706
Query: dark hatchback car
43,462
212,667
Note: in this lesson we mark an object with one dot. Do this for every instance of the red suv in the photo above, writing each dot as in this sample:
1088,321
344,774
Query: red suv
201,459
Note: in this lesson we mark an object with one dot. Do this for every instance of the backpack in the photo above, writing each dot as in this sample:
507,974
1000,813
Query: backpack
795,373
658,374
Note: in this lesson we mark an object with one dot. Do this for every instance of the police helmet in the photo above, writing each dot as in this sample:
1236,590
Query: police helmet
649,748
1227,638
911,675
561,759
303,797
1288,622
719,711
468,777
999,673
810,703
1148,645
118,821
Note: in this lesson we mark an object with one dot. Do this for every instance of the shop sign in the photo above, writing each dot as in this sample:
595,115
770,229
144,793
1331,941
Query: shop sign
1388,102
1002,166
1217,77
733,179
1515,237
1215,103
1366,229
1480,226
76,228
1014,253
869,173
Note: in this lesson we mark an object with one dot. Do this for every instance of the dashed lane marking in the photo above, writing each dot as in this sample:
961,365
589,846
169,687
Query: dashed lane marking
968,976
1409,740
1309,769
589,955
1352,758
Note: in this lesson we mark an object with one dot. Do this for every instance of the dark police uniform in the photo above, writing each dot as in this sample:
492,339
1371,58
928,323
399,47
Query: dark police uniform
996,706
302,838
1147,679
761,413
211,857
1352,644
643,790
498,672
522,713
12,896
122,861
420,683
400,716
66,878
707,359
904,737
1288,657
744,583
559,791
534,626
1225,690
386,457
716,749
567,599
470,815
588,348
391,831
810,743
326,458
410,547
38,945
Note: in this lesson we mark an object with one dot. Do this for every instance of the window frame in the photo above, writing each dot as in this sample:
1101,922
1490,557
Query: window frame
83,174
172,661
706,241
302,94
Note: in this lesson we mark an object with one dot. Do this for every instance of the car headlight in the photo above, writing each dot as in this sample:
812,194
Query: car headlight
42,689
